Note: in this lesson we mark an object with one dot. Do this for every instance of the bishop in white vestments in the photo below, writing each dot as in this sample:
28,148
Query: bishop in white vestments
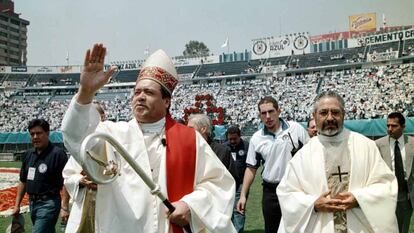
338,181
175,156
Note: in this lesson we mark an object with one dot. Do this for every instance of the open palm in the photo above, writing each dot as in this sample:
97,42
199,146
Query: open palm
93,77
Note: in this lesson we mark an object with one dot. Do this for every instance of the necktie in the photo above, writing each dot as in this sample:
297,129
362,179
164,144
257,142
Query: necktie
399,169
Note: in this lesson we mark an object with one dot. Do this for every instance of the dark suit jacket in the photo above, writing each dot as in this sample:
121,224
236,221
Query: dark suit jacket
384,147
224,154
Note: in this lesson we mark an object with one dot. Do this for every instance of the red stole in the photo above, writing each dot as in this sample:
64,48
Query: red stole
180,161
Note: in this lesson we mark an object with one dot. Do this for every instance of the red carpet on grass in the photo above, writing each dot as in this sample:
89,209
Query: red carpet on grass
8,194
8,198
9,170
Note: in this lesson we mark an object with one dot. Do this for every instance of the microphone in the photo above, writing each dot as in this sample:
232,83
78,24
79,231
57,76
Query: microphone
164,142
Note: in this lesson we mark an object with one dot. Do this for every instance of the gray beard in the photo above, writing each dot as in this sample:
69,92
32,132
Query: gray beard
330,132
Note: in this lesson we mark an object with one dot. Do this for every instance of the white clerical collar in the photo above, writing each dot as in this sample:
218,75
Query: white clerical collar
155,127
337,138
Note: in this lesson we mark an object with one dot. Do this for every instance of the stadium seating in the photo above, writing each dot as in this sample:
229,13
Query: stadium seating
370,90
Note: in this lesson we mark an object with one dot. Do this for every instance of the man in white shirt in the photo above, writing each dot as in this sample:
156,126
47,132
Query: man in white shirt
397,150
175,156
273,146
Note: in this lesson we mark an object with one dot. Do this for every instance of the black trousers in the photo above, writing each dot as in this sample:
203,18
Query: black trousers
271,208
404,211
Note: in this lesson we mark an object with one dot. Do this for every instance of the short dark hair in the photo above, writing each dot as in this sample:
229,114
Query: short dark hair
310,119
165,93
180,120
234,129
268,99
39,122
399,116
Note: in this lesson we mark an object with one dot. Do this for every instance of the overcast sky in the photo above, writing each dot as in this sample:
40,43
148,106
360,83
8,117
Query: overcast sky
128,27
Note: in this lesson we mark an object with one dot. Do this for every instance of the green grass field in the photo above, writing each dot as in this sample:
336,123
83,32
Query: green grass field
11,164
254,219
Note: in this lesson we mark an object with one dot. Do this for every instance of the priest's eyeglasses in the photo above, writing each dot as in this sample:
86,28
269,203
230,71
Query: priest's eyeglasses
334,112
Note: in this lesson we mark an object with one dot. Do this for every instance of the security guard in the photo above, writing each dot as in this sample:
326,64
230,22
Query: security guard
238,148
41,177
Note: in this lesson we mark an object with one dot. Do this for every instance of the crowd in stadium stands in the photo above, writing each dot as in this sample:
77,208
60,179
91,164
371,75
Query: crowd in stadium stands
368,92
409,51
15,114
357,58
117,109
375,91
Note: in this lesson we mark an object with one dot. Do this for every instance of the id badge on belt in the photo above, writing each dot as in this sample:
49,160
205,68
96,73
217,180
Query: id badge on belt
31,173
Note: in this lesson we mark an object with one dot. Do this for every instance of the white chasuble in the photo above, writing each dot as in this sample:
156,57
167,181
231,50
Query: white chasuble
127,205
369,180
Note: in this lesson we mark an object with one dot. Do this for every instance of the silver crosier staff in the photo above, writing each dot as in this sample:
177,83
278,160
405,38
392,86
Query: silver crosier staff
111,167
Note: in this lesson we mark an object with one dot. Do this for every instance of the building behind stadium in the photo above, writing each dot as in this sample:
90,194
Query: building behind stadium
13,35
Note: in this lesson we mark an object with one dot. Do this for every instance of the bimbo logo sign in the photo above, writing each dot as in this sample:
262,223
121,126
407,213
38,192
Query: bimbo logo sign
360,21
363,22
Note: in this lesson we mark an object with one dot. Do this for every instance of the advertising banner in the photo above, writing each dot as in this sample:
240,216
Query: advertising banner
385,56
185,61
280,46
382,38
19,69
363,22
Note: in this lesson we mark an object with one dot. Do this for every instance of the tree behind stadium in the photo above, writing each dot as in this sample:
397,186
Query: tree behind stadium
196,48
